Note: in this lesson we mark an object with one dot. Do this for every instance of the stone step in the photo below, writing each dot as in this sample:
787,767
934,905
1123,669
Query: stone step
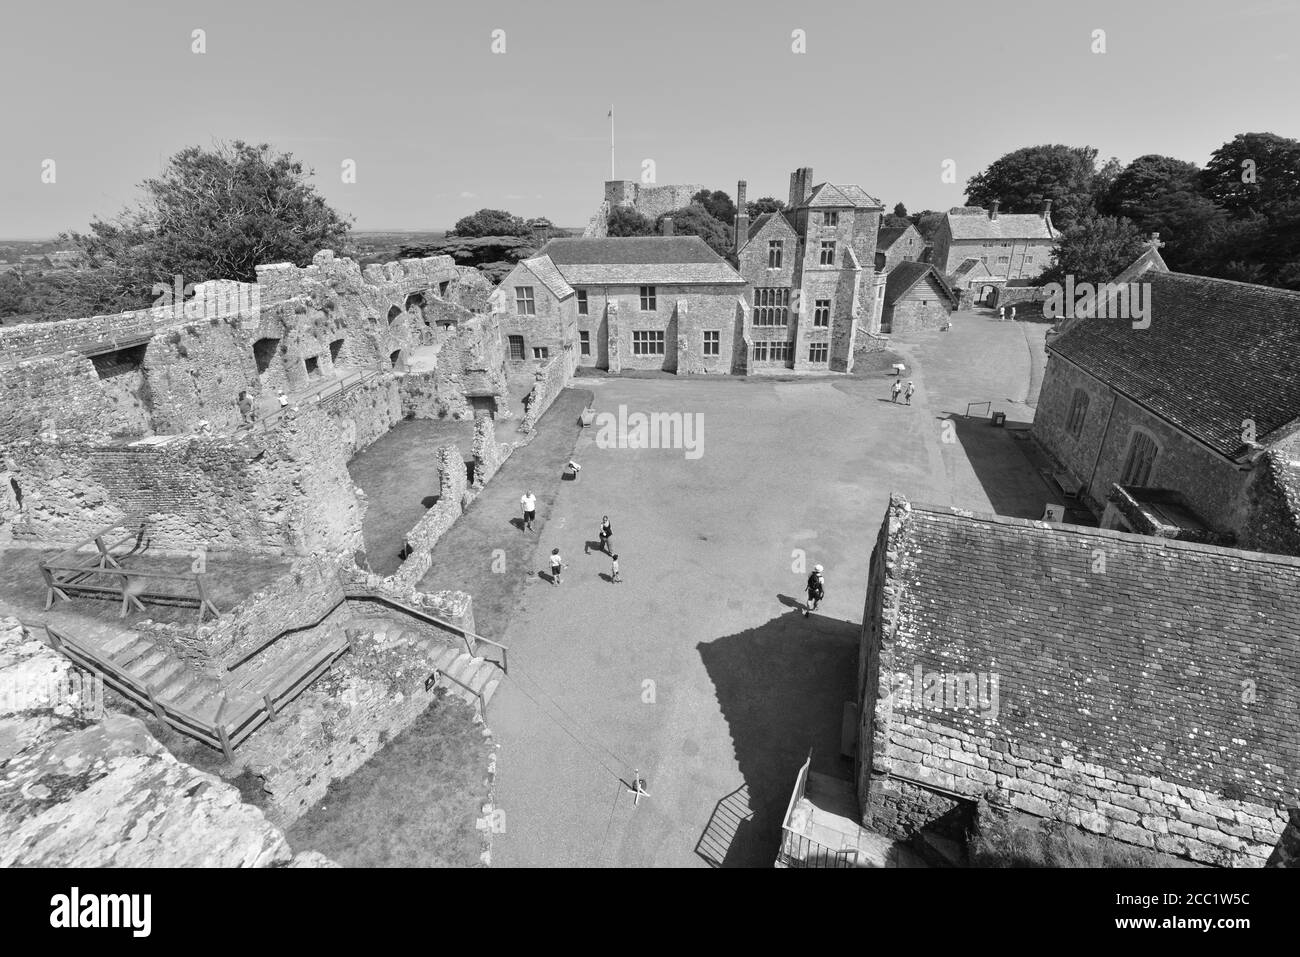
144,663
177,685
192,698
132,651
482,675
119,642
490,688
163,672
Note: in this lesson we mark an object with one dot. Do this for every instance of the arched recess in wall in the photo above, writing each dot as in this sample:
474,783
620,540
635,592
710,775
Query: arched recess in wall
336,351
415,301
264,351
17,490
394,313
396,358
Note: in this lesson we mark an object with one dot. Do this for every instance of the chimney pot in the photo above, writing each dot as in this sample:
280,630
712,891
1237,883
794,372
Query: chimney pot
993,208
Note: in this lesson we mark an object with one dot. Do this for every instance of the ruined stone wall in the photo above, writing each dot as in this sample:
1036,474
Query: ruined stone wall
550,379
487,451
196,372
64,393
472,363
365,412
287,489
424,535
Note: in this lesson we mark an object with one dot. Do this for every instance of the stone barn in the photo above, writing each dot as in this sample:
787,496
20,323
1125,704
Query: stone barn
916,298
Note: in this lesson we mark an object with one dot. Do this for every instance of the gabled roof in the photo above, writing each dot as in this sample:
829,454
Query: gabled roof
544,269
1140,668
830,194
1216,354
765,218
886,236
907,274
969,265
973,223
638,260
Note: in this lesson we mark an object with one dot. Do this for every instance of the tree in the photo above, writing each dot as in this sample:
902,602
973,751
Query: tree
1094,249
490,222
210,214
626,221
900,211
695,220
1022,179
764,204
927,223
1163,194
1254,173
717,204
893,219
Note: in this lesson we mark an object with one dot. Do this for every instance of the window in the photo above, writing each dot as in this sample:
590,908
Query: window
541,352
648,300
831,218
442,288
822,312
771,306
818,351
1141,456
1078,412
649,343
771,351
516,347
775,248
313,366
584,343
524,304
582,302
712,342
1029,259
827,254
1003,260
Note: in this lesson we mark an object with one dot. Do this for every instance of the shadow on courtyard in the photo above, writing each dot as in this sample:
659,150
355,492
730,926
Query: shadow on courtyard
782,688
1002,458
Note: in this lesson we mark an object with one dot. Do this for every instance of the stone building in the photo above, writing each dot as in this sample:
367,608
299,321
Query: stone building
655,302
916,298
896,244
973,281
1139,689
811,275
650,201
1011,245
1203,403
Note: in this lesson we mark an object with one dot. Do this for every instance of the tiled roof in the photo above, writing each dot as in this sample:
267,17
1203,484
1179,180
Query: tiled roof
762,221
639,259
966,266
544,269
830,194
907,274
886,236
974,223
1217,353
1139,666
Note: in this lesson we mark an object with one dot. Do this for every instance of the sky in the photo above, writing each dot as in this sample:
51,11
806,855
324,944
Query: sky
438,125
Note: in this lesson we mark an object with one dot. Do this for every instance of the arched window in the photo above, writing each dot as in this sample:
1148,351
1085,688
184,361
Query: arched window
1142,451
1078,413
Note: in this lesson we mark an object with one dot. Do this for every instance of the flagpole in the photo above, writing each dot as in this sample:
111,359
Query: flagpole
611,142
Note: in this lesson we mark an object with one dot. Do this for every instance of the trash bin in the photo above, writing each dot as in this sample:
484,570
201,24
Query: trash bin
1000,419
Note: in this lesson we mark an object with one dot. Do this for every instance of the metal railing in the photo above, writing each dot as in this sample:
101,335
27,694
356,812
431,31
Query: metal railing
471,640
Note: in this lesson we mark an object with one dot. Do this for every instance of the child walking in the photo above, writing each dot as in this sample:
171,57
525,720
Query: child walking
614,579
557,566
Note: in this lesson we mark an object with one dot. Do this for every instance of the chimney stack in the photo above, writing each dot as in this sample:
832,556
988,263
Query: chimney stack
801,184
1047,208
668,226
742,218
993,208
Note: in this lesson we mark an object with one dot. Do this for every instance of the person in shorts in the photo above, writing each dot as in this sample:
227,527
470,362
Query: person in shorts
529,502
613,570
557,565
816,589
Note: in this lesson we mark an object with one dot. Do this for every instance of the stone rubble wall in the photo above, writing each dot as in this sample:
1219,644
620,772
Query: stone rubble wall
489,454
551,378
81,787
424,535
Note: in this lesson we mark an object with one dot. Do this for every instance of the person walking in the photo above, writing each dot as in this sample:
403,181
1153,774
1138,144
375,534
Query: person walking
606,533
557,565
613,569
284,400
246,408
529,502
816,589
896,388
911,388
575,468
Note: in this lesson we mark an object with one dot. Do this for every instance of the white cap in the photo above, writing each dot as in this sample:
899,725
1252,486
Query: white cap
817,568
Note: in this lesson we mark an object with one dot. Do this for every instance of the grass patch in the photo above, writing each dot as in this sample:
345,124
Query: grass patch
413,804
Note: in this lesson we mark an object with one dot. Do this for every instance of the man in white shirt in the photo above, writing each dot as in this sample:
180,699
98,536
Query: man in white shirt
529,501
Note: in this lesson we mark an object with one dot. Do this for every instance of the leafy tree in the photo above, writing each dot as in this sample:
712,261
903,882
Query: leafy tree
717,204
893,219
927,223
1254,173
1022,179
764,204
490,222
626,221
900,211
210,214
1094,249
695,220
1163,194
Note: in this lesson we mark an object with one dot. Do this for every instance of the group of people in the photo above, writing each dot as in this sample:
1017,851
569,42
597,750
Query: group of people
248,408
898,387
528,501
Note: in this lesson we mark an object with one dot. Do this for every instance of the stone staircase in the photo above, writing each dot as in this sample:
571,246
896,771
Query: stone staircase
448,656
173,682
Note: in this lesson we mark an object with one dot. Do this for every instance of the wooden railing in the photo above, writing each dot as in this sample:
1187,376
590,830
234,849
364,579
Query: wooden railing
470,639
318,394
232,723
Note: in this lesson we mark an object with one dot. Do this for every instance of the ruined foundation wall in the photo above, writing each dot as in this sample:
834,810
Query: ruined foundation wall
551,379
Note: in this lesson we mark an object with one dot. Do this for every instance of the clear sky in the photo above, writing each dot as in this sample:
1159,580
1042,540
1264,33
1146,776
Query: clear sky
438,125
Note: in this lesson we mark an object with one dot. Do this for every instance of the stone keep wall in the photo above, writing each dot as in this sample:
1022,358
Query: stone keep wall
288,489
64,393
195,373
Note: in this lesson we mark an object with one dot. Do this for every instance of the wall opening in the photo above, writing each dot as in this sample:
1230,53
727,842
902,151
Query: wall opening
17,490
313,367
263,352
393,314
415,303
336,350
109,365
442,288
395,358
